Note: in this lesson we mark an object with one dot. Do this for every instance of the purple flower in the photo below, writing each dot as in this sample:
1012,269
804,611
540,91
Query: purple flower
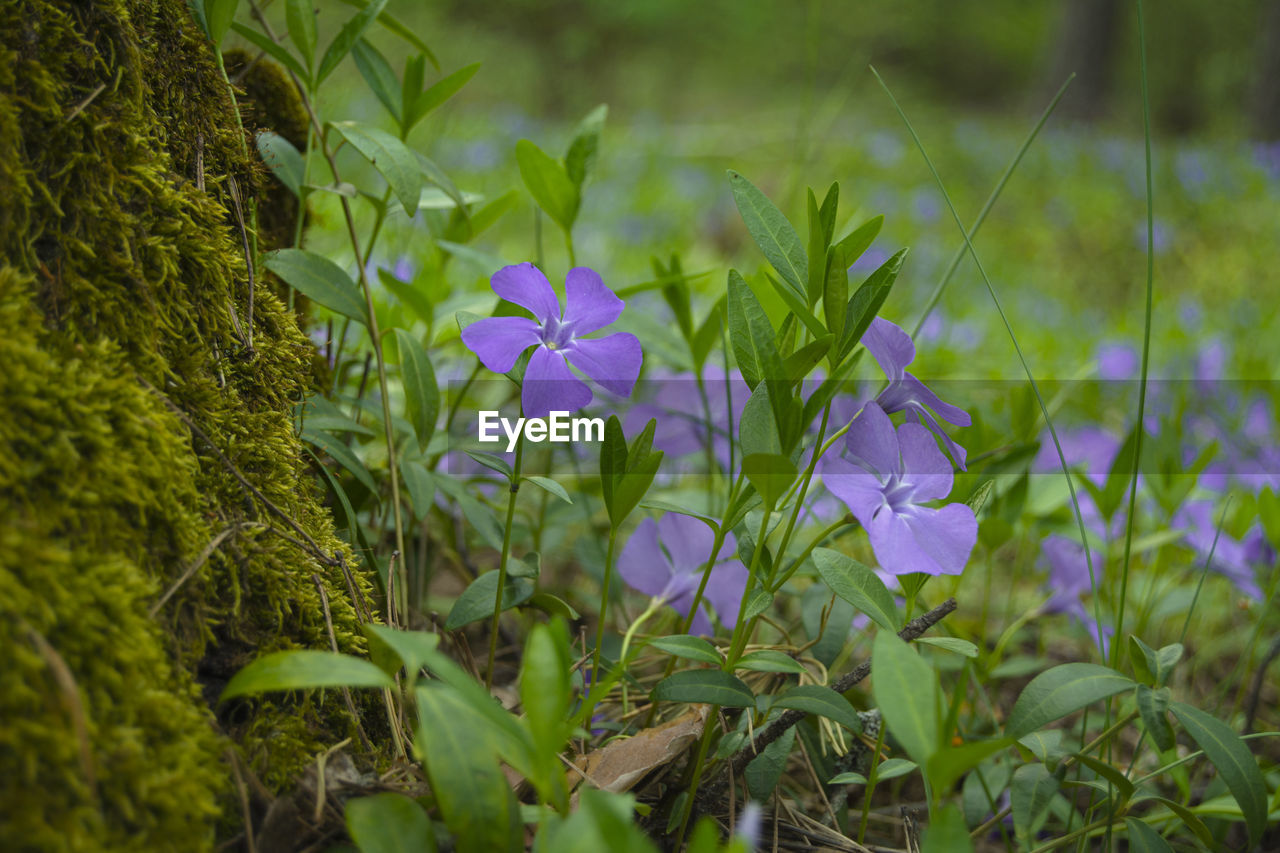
1117,362
1230,555
893,351
683,426
665,559
888,476
1069,582
870,261
612,361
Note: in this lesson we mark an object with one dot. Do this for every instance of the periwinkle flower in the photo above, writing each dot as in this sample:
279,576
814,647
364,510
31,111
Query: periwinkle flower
893,351
1117,362
885,477
613,361
665,559
1231,557
1069,582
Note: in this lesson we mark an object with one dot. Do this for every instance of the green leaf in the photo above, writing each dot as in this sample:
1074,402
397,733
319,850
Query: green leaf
711,686
553,605
421,486
493,462
391,157
1062,690
477,802
771,231
688,647
343,455
758,603
218,14
389,823
304,669
771,474
413,648
1030,794
849,779
477,514
581,155
906,691
708,334
893,768
819,240
1113,775
758,426
300,16
823,701
1154,666
548,183
866,302
282,159
549,485
320,280
946,833
545,692
835,295
859,240
1234,762
476,601
1153,705
801,363
764,771
439,92
948,765
377,73
1144,839
528,566
858,585
671,506
346,39
963,648
393,24
422,394
770,660
751,334
269,47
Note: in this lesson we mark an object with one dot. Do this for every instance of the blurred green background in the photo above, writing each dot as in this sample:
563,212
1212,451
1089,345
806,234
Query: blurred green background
782,93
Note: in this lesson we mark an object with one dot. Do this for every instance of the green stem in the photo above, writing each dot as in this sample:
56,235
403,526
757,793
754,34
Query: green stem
740,634
604,609
513,491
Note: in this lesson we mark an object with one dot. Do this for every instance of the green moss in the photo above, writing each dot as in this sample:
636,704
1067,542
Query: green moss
125,277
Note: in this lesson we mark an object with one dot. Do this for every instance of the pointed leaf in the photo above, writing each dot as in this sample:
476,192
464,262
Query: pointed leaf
304,669
581,155
439,92
1062,690
422,394
906,690
688,647
300,16
377,73
859,585
319,279
1234,762
823,701
346,38
710,686
282,159
1030,794
548,183
476,601
771,231
391,157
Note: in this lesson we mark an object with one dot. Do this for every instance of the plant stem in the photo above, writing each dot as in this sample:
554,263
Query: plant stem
604,609
513,491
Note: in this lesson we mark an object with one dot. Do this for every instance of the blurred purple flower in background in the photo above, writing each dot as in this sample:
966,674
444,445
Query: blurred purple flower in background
1069,582
1162,236
665,559
885,480
1117,362
682,423
893,351
612,361
1211,362
1231,557
870,261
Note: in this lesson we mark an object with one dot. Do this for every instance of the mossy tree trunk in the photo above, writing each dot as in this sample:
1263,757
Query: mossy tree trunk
141,444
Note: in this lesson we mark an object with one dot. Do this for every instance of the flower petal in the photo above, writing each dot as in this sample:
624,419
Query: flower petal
872,443
525,285
724,590
589,305
687,540
933,541
890,346
860,490
613,361
922,416
498,341
642,564
550,387
923,464
922,394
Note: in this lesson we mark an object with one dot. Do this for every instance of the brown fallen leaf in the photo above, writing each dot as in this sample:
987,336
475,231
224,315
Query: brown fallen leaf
620,764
